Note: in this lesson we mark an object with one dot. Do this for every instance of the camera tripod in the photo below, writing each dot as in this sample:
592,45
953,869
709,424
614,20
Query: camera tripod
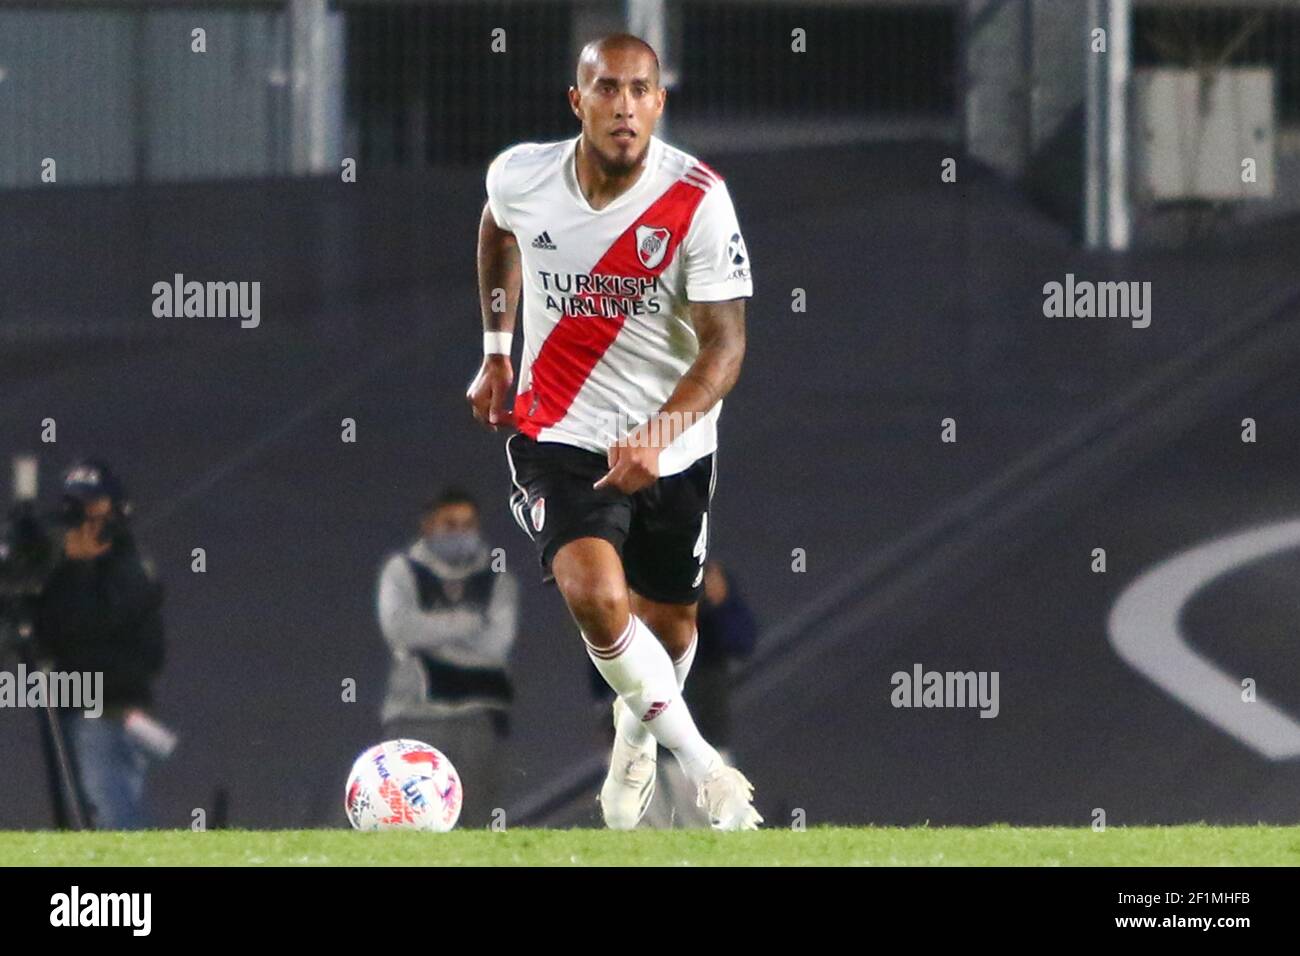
66,797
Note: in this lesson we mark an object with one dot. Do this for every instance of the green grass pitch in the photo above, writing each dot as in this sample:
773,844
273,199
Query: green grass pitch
1197,845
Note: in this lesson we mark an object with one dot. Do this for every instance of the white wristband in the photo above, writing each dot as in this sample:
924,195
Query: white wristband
497,343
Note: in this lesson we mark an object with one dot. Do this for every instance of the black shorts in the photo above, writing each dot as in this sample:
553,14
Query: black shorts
661,532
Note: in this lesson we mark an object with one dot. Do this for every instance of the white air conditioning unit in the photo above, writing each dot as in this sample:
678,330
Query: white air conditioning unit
1196,130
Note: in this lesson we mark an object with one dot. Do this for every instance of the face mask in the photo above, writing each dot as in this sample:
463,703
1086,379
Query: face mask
454,547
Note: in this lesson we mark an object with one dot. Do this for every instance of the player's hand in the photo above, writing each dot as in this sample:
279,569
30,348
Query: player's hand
489,393
632,466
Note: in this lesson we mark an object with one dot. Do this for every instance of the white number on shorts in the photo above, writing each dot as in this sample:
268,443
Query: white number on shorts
701,547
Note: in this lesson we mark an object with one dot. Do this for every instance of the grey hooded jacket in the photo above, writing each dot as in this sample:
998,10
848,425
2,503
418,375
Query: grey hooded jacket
450,631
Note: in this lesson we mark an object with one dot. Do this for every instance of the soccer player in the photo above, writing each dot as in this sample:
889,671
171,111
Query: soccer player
633,274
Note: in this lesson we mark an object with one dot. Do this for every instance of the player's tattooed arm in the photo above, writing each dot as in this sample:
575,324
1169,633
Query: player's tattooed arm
500,278
500,275
720,328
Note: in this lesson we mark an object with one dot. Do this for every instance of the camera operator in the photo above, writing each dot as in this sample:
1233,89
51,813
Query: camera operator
100,612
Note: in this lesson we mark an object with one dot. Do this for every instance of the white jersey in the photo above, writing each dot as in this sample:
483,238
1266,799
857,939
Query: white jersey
607,292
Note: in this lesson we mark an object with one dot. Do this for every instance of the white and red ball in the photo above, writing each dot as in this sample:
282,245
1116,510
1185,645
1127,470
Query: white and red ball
403,785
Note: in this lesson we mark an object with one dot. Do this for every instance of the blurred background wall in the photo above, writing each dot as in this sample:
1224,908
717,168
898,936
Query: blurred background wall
227,165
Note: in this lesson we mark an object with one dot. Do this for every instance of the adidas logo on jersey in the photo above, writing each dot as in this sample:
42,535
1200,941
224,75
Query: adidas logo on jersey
543,241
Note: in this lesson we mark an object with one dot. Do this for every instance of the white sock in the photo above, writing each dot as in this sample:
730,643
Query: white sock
640,671
682,666
629,725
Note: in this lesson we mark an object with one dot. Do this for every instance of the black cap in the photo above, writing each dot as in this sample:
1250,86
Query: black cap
91,479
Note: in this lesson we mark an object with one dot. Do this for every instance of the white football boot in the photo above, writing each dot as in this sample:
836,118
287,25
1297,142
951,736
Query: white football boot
728,798
630,783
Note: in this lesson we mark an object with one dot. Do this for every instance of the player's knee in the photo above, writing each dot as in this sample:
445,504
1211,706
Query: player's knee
598,603
600,612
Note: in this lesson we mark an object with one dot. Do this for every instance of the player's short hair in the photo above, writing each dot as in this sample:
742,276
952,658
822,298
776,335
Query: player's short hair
451,495
614,41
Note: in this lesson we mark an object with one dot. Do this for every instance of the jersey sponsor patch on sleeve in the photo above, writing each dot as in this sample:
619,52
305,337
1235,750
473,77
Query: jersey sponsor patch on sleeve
717,264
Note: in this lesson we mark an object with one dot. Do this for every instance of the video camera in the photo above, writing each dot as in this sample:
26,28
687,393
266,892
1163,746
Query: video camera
28,551
30,544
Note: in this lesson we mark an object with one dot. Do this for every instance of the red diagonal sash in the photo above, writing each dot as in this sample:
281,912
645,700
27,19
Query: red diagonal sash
577,342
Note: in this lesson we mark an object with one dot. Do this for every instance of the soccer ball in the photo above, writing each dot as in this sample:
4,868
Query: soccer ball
403,785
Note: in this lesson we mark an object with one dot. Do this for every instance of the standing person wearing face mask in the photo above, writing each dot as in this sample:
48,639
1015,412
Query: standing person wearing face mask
450,621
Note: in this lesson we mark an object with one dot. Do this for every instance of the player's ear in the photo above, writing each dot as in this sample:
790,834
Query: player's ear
575,99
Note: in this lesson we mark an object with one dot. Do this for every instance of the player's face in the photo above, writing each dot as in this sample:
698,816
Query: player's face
619,105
